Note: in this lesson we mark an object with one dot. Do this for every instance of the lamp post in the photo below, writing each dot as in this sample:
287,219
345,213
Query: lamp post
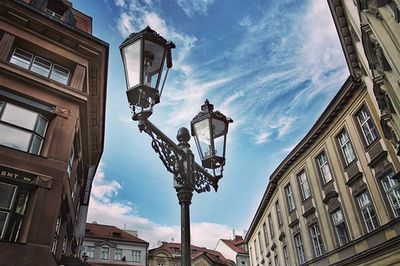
147,59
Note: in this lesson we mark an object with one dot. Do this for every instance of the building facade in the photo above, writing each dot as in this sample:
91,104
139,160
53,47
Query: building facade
333,200
369,32
234,249
109,245
169,254
53,75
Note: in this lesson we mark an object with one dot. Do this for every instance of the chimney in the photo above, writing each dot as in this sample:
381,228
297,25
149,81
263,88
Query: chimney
234,234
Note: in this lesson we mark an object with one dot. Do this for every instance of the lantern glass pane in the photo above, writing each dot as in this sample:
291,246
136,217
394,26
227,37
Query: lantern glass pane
219,127
202,132
132,63
153,57
219,131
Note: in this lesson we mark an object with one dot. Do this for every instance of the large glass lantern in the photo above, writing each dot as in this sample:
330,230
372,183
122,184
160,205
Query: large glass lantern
145,54
209,129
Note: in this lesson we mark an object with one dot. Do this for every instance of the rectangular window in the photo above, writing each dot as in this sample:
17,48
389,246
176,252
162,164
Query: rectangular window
324,168
53,13
278,213
271,225
290,198
286,256
260,243
255,248
299,249
392,190
340,227
104,253
60,74
13,201
276,260
367,211
21,58
316,240
90,252
305,188
346,147
56,235
40,66
118,254
367,126
21,128
136,255
265,234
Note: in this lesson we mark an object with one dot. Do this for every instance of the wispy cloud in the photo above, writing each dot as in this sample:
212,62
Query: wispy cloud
191,7
105,208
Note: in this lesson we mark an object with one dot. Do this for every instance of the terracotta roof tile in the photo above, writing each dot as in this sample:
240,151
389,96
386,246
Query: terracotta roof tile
110,232
235,244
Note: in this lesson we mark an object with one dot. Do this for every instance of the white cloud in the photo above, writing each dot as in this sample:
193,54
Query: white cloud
120,3
105,208
191,7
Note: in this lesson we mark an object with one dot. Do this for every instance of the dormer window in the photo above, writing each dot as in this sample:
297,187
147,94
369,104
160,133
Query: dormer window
56,9
53,13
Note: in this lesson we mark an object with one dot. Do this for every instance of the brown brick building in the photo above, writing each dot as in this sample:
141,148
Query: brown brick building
53,75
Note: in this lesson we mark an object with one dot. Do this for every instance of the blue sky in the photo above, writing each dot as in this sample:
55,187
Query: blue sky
272,66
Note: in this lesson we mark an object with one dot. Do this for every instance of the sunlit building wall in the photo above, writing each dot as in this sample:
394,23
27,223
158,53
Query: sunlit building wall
335,199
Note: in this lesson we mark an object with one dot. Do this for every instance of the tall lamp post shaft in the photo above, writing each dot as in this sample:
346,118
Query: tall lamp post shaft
185,197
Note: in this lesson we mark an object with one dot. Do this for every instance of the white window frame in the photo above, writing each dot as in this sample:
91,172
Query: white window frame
278,213
324,168
346,147
136,255
392,190
105,255
367,211
265,234
271,225
56,235
286,256
299,249
118,254
36,136
290,198
316,239
367,125
340,227
304,186
90,251
15,58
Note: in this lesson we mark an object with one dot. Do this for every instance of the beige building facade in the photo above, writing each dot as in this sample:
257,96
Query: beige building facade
369,32
335,199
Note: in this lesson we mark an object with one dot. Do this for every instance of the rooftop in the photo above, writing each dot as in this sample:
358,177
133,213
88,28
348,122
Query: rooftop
110,232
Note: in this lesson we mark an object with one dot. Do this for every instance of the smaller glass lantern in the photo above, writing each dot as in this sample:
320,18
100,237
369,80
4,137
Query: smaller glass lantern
144,55
209,129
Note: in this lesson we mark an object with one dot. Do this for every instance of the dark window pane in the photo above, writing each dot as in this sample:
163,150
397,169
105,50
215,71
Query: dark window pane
6,195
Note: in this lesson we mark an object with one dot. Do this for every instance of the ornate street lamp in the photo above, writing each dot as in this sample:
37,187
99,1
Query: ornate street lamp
144,55
209,129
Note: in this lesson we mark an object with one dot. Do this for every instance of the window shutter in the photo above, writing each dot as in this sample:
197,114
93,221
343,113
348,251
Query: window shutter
6,44
78,78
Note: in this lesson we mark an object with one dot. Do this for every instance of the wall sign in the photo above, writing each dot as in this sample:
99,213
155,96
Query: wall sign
19,175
